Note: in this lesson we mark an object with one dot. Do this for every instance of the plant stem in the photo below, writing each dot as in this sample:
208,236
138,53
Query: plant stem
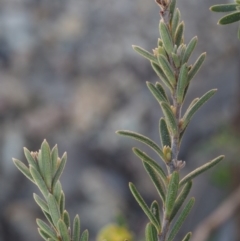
165,229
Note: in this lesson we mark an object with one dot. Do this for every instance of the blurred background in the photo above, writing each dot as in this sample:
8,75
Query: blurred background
68,74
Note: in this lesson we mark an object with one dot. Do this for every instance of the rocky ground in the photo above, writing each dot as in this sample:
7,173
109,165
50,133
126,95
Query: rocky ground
68,74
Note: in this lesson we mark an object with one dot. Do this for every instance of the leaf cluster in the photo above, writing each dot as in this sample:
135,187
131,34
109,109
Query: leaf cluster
44,169
170,61
232,10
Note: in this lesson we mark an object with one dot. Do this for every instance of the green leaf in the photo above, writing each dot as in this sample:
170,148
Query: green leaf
164,133
23,169
60,169
144,206
63,230
230,18
191,46
157,183
62,203
155,210
76,228
44,235
176,60
167,69
200,170
144,140
54,158
66,218
197,65
144,157
48,217
161,90
194,108
172,7
84,236
39,181
57,191
157,94
166,37
178,37
171,194
175,21
151,232
224,7
182,83
187,237
53,209
161,75
30,159
180,199
181,219
41,203
49,231
145,54
170,118
46,164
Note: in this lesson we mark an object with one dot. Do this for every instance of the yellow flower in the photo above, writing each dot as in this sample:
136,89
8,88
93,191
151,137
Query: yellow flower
113,232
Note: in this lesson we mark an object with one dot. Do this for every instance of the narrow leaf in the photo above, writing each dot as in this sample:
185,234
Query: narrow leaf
144,157
60,169
84,236
187,237
145,54
62,203
49,231
39,181
144,206
161,75
191,111
230,18
175,21
180,199
172,7
166,37
179,34
191,46
224,7
156,211
63,230
200,170
57,191
170,118
76,229
176,60
182,83
158,95
48,217
171,194
150,232
30,158
41,203
197,65
46,164
161,90
144,140
154,177
43,234
54,158
53,209
23,169
66,218
181,219
164,133
167,69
